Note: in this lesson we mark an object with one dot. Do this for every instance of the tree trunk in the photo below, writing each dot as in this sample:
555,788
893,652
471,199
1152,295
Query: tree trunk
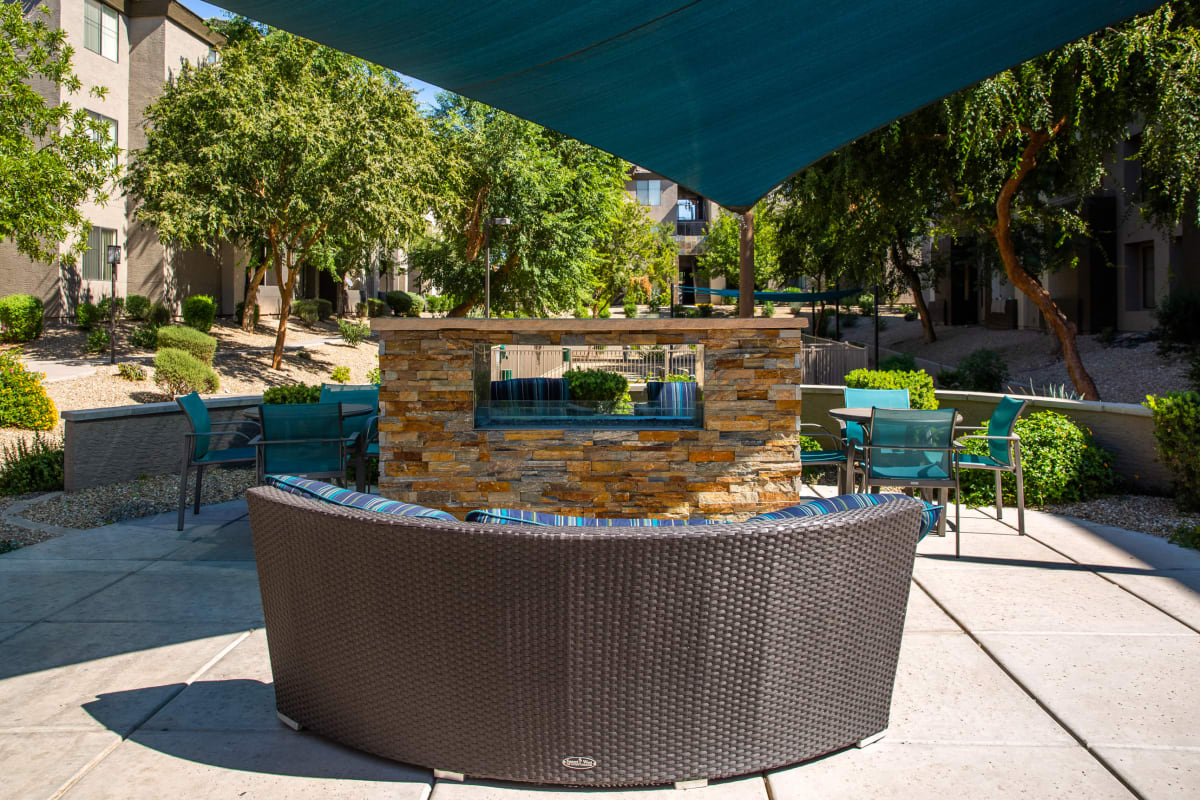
252,299
900,259
1063,327
746,264
285,306
463,308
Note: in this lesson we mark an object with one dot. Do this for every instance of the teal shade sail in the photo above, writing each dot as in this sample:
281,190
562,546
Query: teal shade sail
726,97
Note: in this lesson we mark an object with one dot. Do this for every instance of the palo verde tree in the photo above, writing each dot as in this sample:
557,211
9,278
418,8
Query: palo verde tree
631,253
721,251
52,156
286,145
558,193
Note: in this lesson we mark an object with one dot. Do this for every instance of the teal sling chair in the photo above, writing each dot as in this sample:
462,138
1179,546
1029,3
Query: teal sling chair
1003,455
198,451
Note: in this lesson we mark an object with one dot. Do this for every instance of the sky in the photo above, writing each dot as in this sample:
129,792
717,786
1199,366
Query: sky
426,92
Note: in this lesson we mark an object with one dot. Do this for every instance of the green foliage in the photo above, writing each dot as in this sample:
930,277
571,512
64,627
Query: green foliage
901,362
866,305
768,309
21,318
31,467
179,337
240,311
131,372
581,312
144,337
340,375
23,399
98,341
179,372
53,157
982,371
405,304
1060,461
606,392
373,376
1177,432
376,308
293,393
1178,317
199,311
677,377
630,309
1186,534
909,312
105,307
353,332
918,383
159,315
705,309
307,311
633,254
604,312
720,251
137,307
87,314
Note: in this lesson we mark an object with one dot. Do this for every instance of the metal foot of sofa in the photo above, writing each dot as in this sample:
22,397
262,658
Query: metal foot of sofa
448,775
872,739
698,783
291,723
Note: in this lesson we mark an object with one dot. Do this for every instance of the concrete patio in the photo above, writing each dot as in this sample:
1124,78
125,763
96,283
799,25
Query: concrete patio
1061,664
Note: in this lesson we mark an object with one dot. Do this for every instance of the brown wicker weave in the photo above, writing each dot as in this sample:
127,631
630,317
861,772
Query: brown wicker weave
656,654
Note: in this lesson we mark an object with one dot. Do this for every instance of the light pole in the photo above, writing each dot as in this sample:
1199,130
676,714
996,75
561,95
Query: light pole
487,261
113,256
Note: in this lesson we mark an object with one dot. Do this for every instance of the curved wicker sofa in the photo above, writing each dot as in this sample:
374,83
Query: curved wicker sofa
586,656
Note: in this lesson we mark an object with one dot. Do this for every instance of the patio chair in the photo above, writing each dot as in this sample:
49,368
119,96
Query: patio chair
914,449
198,451
852,432
302,439
821,458
1004,453
360,431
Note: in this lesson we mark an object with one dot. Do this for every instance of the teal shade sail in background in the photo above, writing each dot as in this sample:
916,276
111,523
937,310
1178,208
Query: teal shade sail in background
726,97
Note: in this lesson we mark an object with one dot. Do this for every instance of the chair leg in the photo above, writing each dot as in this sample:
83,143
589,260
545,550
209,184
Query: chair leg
199,482
999,497
957,520
183,477
360,472
944,496
1020,501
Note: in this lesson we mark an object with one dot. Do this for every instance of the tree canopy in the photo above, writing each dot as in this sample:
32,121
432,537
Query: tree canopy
52,156
632,255
286,146
720,253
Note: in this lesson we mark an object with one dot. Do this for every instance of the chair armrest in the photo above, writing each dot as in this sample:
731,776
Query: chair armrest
1013,438
822,431
916,448
268,442
970,427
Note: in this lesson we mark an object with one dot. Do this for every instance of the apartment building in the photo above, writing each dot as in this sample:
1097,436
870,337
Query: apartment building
131,48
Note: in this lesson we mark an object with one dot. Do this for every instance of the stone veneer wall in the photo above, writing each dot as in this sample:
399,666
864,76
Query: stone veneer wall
743,461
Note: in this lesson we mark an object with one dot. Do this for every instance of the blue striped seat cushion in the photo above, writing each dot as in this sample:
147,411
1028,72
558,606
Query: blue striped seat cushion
336,495
846,502
512,516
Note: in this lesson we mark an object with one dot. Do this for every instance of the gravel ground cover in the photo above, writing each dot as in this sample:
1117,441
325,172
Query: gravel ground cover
1158,516
14,536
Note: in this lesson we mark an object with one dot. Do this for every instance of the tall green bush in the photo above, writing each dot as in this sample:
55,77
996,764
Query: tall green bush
31,467
918,383
137,307
1178,317
1177,433
180,372
159,315
21,318
179,337
606,392
353,332
399,302
87,314
23,399
901,362
199,311
105,307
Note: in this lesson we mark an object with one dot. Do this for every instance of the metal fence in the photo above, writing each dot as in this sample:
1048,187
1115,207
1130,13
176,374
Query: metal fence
547,361
824,361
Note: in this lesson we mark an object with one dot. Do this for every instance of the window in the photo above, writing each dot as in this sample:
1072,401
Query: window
105,138
212,55
100,29
1146,259
95,263
685,211
649,193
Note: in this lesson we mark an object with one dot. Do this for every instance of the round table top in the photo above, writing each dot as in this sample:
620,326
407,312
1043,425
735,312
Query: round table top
348,410
863,415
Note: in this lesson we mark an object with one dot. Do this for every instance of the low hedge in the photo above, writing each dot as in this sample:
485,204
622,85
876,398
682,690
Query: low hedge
1177,433
31,467
179,337
918,383
159,315
87,314
180,372
21,318
23,399
607,392
199,311
294,393
137,307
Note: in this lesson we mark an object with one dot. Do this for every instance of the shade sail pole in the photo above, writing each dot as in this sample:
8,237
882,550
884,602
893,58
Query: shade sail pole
746,264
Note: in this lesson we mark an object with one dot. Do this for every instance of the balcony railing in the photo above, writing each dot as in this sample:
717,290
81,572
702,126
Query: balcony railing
691,227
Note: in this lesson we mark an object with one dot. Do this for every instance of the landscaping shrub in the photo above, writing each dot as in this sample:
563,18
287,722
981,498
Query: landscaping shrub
179,337
131,372
137,307
159,315
768,309
982,371
848,320
1193,373
23,399
630,310
376,308
307,311
240,310
909,312
87,314
105,308
918,383
98,341
31,467
1177,432
399,302
704,309
581,312
199,311
179,372
866,305
607,392
1178,318
353,332
21,318
340,375
294,393
145,337
1061,464
1186,534
901,362
418,305
373,376
604,312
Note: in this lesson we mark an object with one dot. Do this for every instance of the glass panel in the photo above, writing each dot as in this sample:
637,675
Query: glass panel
649,193
108,33
91,25
94,267
111,136
534,386
685,210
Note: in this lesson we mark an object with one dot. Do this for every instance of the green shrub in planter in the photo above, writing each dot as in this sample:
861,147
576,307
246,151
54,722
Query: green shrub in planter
376,308
180,372
87,314
21,318
918,383
901,362
144,337
291,394
105,308
1060,461
98,341
353,332
240,310
199,311
982,371
607,392
159,315
604,312
631,310
23,399
180,337
31,467
137,307
1177,432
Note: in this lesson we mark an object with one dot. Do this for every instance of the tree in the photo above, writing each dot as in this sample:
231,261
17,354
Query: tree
632,251
52,157
286,145
720,254
560,195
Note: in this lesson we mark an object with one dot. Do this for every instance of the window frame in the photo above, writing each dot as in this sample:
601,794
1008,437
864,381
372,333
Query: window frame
113,128
103,238
651,188
1147,271
96,26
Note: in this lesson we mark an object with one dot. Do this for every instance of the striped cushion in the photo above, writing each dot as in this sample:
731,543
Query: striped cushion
511,516
846,502
336,495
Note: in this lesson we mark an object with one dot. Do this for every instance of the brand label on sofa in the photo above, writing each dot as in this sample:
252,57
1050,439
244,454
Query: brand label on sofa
579,762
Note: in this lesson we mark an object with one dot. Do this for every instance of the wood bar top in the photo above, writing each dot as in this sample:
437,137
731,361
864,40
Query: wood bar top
585,325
